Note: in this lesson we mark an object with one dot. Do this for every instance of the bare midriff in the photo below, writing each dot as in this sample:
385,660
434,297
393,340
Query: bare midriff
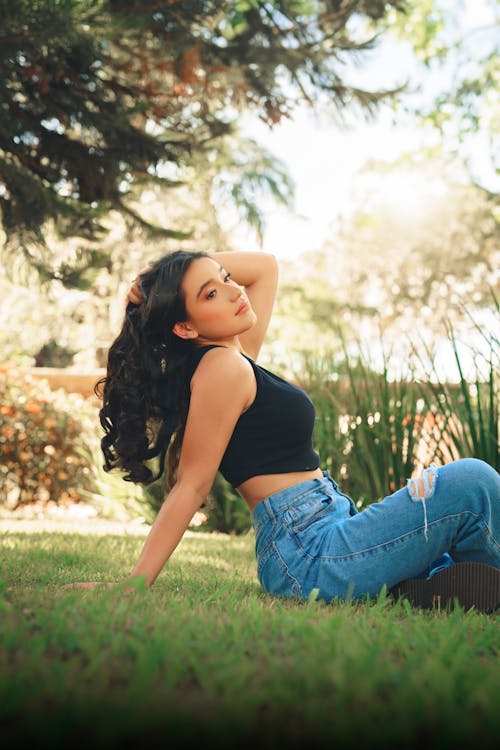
257,488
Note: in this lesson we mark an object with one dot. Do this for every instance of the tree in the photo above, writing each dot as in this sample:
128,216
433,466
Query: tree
458,47
428,258
421,243
100,98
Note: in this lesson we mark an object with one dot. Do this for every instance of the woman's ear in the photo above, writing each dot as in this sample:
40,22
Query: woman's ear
184,331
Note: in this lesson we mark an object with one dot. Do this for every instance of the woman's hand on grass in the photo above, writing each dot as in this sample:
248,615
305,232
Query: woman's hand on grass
90,585
138,583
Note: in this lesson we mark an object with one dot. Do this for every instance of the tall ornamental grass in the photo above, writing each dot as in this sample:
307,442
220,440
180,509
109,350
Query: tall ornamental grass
468,410
378,424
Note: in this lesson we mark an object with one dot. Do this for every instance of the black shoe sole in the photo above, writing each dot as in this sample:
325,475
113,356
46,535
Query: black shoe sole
473,585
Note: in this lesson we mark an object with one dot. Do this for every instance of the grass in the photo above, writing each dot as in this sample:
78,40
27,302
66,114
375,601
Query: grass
206,657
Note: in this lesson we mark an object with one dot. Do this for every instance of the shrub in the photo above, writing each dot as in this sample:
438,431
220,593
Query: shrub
40,437
225,509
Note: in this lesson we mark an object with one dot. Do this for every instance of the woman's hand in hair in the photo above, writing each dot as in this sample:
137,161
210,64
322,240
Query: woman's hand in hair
134,293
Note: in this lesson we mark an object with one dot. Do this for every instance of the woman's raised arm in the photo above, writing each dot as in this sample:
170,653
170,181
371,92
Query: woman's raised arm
258,273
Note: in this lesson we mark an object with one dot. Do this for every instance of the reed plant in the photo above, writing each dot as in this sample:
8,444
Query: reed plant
467,409
370,424
381,419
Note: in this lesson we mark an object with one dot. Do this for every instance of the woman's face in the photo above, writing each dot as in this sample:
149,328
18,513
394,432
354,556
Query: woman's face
217,308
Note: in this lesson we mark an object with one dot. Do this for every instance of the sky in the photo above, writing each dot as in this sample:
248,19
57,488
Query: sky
325,161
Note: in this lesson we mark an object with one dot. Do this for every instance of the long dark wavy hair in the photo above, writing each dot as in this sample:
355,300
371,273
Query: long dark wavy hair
145,392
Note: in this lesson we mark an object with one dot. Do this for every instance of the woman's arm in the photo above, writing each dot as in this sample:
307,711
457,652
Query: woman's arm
209,426
258,273
167,530
211,419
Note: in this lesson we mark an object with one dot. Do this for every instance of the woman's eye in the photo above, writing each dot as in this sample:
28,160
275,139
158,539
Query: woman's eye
213,292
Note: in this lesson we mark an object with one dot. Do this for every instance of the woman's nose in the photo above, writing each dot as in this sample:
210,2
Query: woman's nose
236,292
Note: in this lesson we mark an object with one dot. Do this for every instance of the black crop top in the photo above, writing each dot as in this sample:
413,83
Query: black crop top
274,435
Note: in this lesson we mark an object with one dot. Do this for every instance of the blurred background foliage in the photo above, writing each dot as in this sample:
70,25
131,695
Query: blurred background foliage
120,141
373,430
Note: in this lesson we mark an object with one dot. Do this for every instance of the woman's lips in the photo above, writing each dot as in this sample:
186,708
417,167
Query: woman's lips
242,308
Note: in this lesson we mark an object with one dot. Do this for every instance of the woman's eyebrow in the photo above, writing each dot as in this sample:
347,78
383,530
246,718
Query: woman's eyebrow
207,283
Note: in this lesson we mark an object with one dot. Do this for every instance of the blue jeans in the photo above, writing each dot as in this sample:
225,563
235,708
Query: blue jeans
311,536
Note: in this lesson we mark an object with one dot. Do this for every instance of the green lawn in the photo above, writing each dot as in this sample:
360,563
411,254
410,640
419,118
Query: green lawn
206,658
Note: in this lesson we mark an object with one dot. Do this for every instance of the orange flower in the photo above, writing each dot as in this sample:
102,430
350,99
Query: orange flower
33,407
6,432
6,410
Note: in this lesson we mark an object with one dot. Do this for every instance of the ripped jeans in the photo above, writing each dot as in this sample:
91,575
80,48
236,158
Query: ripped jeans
311,536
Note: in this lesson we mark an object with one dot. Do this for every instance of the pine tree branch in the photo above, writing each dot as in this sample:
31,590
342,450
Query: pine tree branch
151,229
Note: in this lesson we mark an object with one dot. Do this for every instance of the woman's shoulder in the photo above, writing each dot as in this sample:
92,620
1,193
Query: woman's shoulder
224,369
214,357
199,353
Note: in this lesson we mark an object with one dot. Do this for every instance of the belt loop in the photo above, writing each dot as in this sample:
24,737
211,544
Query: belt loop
269,509
330,480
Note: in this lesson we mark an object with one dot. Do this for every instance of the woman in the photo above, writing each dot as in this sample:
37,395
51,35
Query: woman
182,381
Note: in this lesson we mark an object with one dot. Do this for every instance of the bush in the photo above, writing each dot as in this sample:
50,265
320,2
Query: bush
225,509
40,439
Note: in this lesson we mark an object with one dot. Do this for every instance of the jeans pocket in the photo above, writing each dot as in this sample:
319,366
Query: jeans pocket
305,515
274,576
